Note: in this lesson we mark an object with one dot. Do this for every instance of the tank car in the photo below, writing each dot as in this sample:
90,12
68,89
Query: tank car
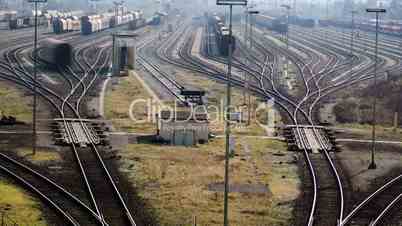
55,52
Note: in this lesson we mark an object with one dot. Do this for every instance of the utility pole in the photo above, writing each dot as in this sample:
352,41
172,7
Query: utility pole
230,3
376,11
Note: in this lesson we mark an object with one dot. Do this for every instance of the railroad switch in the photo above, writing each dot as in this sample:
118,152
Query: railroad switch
78,132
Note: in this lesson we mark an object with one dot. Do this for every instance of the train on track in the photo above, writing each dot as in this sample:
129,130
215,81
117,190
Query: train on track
157,18
23,19
94,23
222,35
26,19
55,52
302,21
280,24
391,27
7,15
274,24
69,21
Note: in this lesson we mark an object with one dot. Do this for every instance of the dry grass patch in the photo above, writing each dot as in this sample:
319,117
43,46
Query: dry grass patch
175,180
13,103
118,100
117,106
41,156
365,130
216,96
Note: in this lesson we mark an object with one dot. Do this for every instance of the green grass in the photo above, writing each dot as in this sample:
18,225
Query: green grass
19,207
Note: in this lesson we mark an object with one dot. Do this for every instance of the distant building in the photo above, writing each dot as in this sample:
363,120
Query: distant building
183,127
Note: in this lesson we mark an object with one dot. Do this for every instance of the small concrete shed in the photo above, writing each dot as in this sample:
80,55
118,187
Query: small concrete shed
183,127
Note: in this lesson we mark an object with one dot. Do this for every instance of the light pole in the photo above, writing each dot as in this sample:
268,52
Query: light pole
352,33
251,21
94,5
245,25
327,17
246,62
35,77
230,3
377,11
228,103
287,7
252,24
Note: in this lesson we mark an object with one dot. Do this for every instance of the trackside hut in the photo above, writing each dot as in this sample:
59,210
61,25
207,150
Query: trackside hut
183,127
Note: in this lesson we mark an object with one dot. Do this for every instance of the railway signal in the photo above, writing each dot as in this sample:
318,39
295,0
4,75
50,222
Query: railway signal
230,3
35,77
377,11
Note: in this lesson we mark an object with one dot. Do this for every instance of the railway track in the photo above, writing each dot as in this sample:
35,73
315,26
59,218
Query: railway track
106,199
315,81
373,209
171,85
51,192
396,197
326,187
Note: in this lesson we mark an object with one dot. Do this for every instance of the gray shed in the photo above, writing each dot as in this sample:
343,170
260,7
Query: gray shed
183,127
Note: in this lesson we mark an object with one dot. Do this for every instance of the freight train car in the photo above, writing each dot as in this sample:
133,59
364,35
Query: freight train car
222,35
61,25
301,21
7,15
338,23
324,23
274,24
156,20
135,24
96,23
138,20
390,27
55,52
26,19
92,24
223,39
